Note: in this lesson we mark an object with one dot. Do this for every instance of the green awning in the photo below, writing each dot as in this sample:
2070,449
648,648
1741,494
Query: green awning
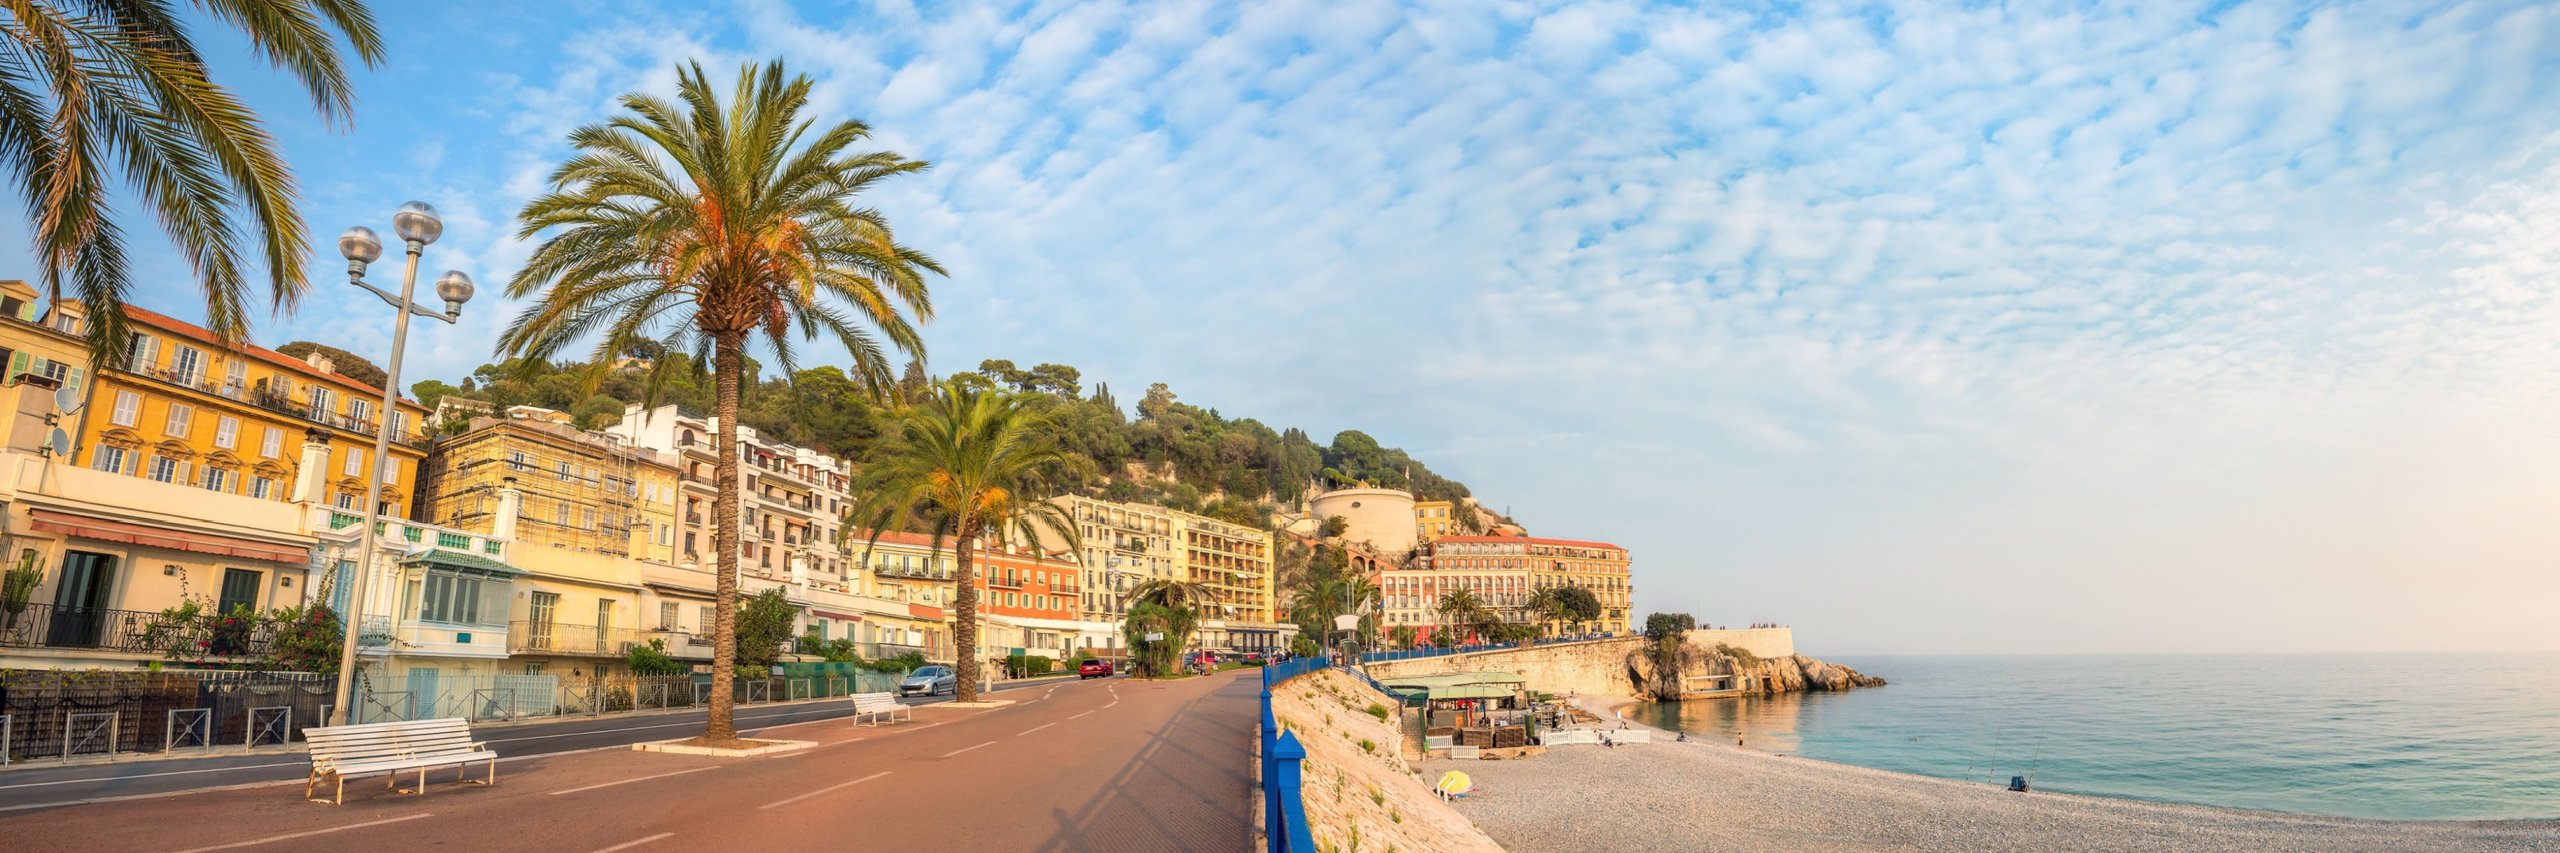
463,563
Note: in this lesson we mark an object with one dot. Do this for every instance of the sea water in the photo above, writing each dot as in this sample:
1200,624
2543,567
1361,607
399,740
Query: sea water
2394,736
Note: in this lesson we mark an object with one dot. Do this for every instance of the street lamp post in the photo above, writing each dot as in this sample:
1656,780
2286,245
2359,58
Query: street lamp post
417,225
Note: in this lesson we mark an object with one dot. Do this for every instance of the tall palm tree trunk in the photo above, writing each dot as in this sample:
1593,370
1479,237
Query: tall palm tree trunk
726,363
964,620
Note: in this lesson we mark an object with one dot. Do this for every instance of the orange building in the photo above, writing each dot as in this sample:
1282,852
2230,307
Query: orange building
1026,602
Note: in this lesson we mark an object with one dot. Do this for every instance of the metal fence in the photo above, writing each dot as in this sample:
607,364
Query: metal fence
64,714
70,713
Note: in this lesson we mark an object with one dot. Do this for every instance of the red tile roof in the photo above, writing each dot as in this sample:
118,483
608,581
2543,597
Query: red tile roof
1535,540
166,323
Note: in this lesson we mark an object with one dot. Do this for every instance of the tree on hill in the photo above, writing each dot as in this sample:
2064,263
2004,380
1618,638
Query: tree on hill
347,364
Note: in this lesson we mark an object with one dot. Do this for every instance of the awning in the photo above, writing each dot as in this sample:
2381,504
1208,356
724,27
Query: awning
924,612
465,563
103,530
830,614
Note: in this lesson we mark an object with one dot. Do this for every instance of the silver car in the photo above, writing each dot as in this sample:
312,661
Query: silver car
928,681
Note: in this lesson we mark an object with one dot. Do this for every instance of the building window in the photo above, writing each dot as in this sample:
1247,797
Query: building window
710,619
109,459
226,433
273,444
218,480
344,500
186,365
666,616
450,598
355,462
261,487
324,403
167,469
128,409
142,353
360,411
562,513
518,460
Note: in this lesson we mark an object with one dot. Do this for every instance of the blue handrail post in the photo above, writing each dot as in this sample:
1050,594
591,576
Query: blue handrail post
1289,830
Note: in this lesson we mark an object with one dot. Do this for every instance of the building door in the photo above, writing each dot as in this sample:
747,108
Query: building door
80,600
239,589
604,625
538,629
422,693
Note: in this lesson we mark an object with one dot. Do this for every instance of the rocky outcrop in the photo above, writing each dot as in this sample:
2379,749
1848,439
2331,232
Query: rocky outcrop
1695,668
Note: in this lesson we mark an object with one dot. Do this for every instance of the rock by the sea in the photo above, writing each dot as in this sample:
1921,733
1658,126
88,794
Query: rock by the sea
1762,676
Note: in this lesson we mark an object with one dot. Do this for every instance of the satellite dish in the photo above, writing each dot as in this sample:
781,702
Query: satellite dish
59,443
66,400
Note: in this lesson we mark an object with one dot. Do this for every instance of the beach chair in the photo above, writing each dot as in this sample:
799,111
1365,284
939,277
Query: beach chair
1454,785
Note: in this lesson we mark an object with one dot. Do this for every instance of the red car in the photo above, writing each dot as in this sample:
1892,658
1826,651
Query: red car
1093,668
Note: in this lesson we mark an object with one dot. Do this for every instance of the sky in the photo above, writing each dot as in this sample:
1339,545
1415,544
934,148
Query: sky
1923,328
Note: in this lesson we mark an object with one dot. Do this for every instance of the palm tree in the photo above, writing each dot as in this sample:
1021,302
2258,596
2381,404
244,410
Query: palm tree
98,88
1461,607
1181,604
963,464
705,226
1548,604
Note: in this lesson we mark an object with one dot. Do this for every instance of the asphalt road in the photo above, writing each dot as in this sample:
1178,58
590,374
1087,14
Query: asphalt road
1112,765
34,785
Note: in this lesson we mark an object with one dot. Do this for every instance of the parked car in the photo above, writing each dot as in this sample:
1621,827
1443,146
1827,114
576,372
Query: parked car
1093,668
929,681
1253,658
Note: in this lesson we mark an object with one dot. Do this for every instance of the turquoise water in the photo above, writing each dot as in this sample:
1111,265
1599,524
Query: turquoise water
2403,736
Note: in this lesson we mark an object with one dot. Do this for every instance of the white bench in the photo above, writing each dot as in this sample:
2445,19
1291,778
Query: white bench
879,706
342,751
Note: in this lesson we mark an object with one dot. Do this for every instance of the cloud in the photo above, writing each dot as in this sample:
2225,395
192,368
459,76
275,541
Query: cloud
1789,302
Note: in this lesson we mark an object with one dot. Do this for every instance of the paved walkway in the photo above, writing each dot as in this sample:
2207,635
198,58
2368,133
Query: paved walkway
1101,765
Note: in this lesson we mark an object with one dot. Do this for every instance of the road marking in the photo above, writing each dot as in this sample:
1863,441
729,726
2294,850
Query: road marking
629,781
785,802
1035,728
1087,712
966,749
631,844
293,835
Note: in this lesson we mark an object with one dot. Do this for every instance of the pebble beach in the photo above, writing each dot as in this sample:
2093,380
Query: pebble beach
1707,796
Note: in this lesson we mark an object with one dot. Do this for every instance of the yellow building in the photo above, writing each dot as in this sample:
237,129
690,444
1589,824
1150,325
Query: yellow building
113,551
243,420
909,571
1435,519
1234,563
581,511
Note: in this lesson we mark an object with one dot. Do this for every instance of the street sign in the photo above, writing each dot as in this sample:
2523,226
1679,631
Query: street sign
1155,636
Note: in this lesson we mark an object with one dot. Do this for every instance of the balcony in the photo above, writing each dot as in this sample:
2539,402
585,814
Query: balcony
45,626
553,638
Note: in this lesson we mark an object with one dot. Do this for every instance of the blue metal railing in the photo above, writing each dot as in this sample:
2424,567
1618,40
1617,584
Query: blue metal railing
1284,813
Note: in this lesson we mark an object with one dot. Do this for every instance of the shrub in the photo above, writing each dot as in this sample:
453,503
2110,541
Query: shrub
1025,666
1743,655
1367,745
652,659
1378,711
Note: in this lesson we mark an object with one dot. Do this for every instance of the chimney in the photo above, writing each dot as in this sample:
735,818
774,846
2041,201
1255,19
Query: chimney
510,504
311,480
